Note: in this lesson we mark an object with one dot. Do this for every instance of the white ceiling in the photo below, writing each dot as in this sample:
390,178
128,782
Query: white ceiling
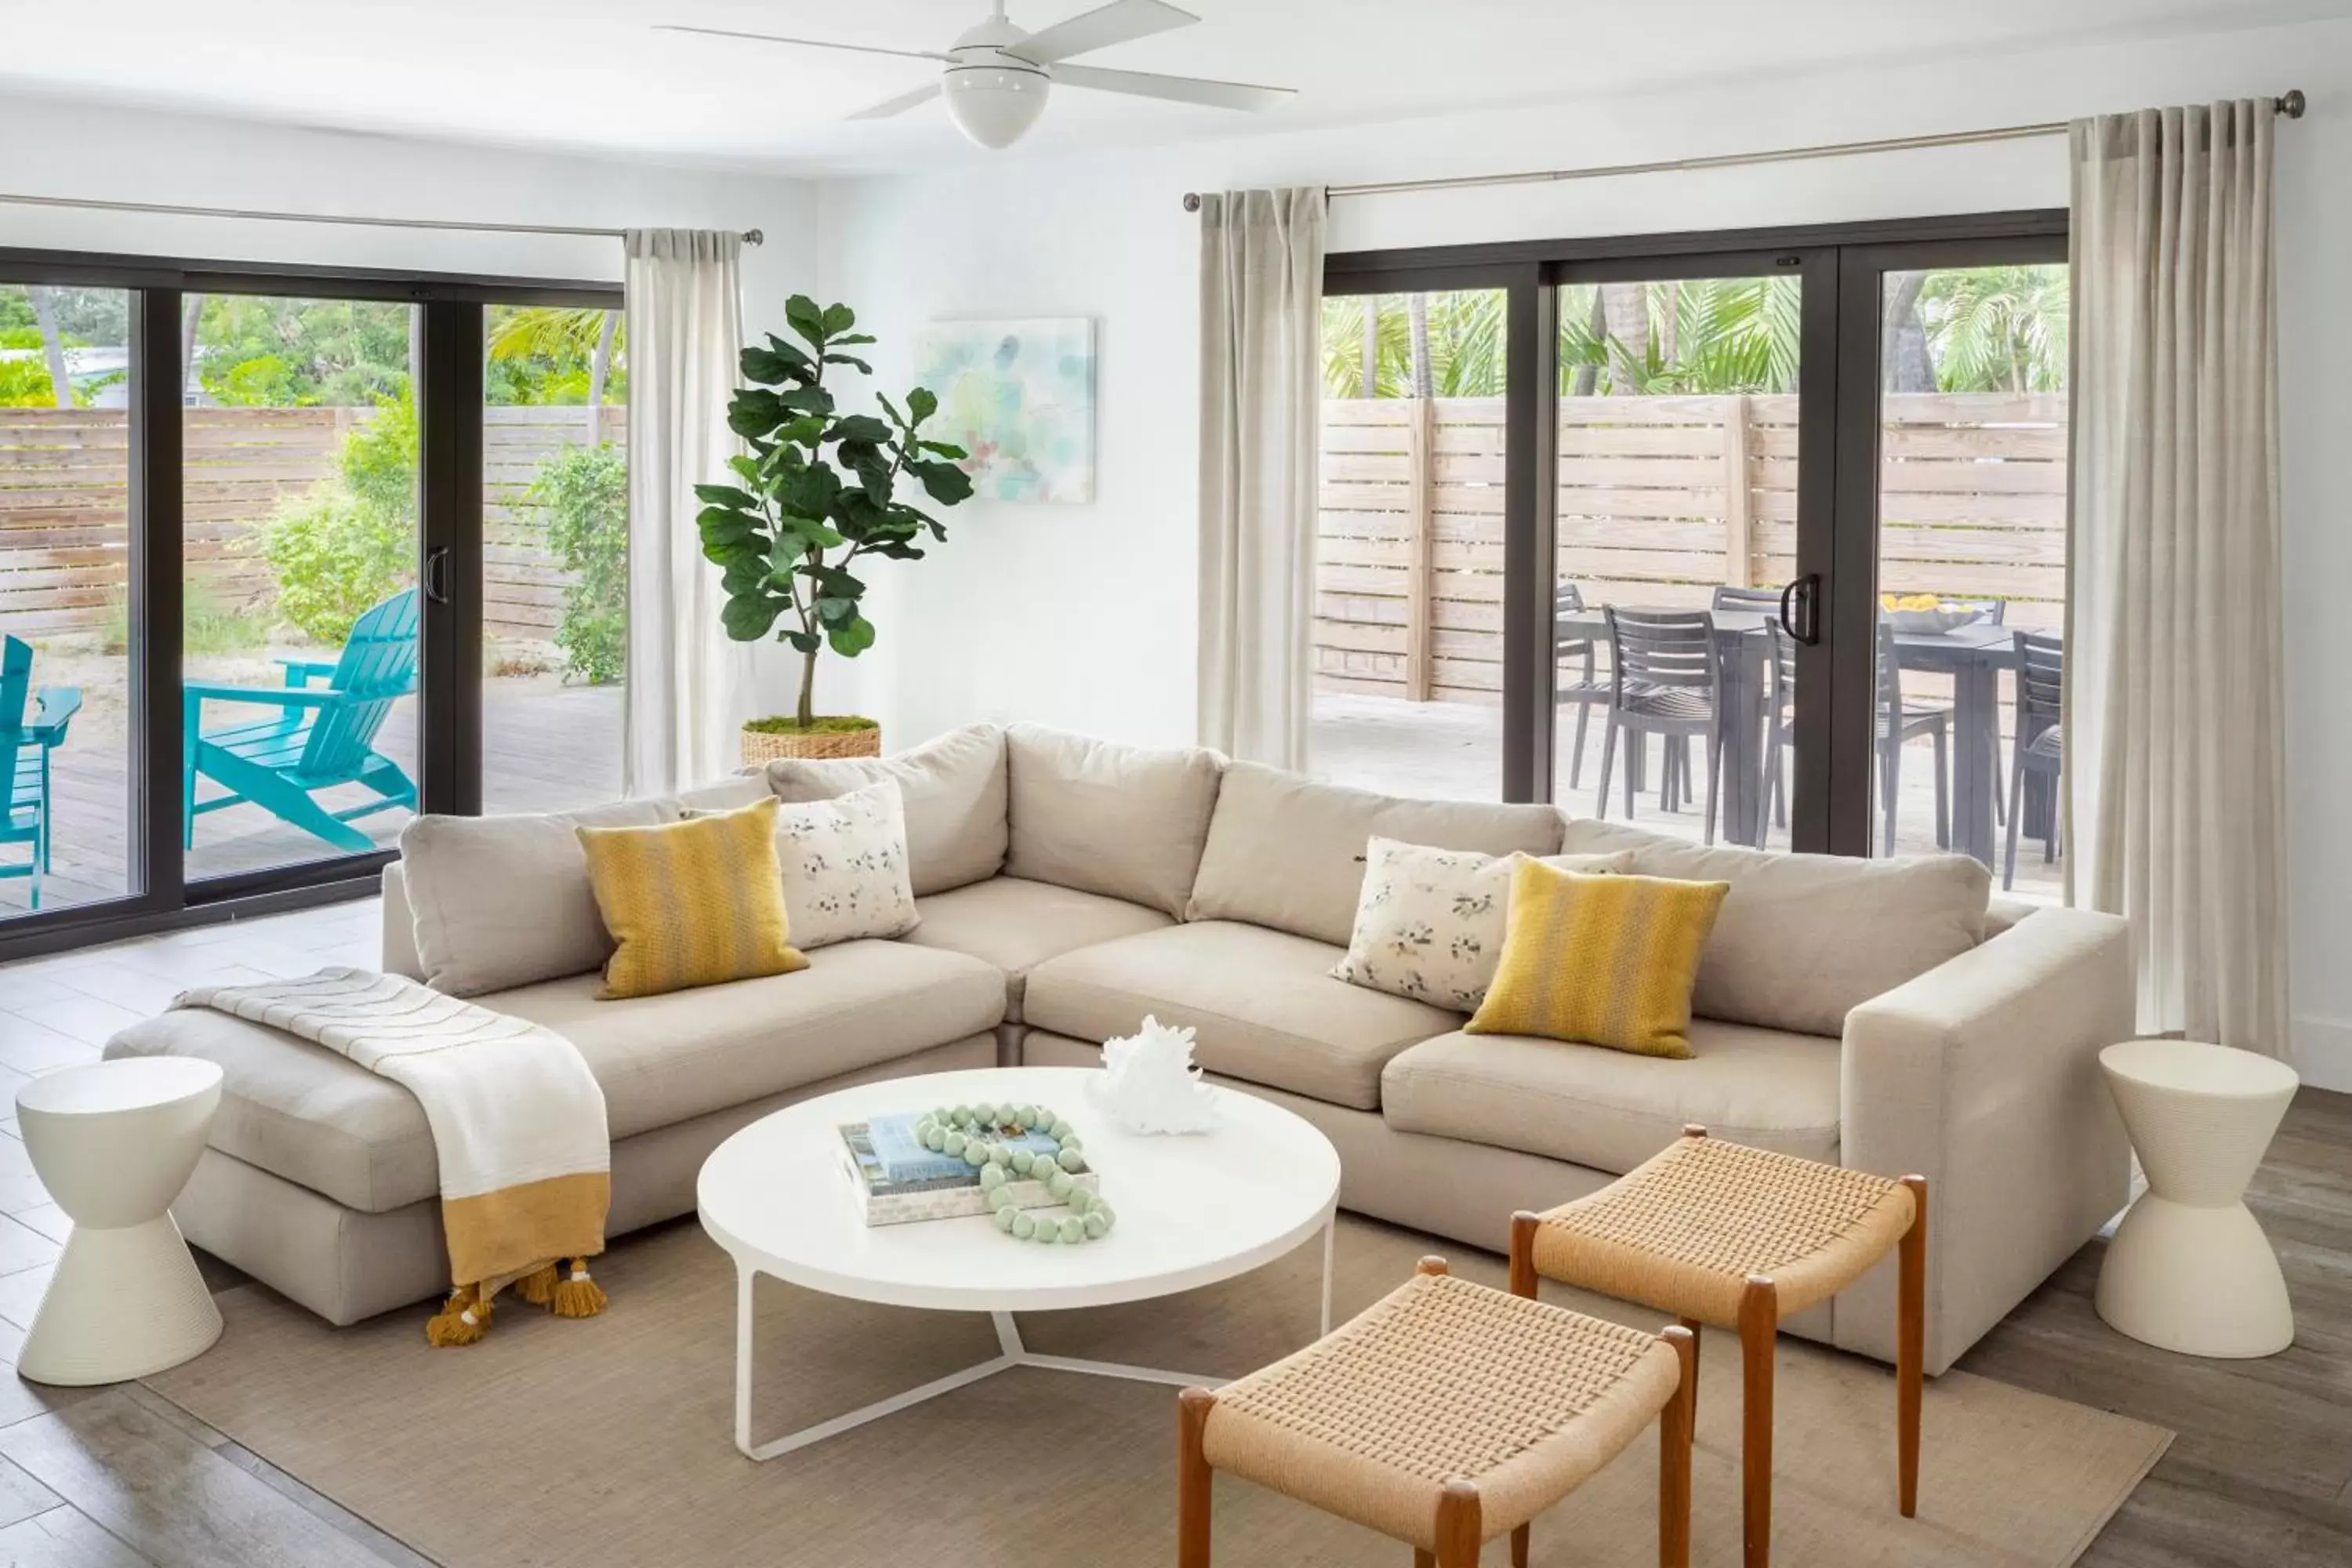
590,75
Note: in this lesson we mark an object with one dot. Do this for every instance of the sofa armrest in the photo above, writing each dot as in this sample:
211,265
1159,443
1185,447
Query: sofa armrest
399,927
1982,1075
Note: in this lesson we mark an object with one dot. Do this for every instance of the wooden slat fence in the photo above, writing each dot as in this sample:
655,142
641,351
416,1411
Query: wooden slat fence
65,486
1661,500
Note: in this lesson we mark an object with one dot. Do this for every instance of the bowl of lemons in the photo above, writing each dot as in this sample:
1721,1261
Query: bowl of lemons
1927,613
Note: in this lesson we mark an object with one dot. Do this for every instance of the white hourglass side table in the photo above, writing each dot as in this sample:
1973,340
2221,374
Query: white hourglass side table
2190,1269
114,1142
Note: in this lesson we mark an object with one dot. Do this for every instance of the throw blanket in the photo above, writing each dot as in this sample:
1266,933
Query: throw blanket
518,1125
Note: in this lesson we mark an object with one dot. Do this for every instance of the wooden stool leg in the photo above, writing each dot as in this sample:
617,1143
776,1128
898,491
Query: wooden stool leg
1193,1478
1424,1559
1911,1348
1523,1254
1674,1457
1690,1383
1458,1533
1760,1329
1521,1538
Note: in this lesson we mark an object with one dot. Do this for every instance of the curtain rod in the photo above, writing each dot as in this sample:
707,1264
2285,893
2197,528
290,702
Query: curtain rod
2290,106
166,209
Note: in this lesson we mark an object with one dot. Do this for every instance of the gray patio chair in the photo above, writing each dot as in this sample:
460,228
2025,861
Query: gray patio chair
1763,601
1568,645
1664,680
2041,745
1899,723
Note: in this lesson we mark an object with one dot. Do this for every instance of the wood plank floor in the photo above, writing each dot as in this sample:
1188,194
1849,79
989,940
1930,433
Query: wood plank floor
2260,1477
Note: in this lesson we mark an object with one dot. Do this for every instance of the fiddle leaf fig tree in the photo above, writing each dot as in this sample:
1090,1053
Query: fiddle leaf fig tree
817,490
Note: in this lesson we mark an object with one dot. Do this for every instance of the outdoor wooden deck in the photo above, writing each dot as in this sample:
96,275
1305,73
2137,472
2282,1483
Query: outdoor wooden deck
545,748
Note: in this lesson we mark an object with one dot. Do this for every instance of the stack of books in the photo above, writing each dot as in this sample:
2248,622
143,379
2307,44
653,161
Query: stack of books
894,1179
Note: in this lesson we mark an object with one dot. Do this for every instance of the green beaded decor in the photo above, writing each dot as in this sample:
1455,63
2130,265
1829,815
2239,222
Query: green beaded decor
975,1134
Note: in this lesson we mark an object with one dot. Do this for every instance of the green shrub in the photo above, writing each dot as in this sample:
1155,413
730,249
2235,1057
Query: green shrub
351,542
208,623
584,494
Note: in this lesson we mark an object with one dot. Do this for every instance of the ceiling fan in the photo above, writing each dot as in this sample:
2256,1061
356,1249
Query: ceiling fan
997,76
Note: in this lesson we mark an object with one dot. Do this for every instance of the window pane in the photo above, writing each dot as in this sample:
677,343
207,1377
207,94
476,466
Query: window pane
555,560
300,648
1409,545
66,638
1676,509
1971,559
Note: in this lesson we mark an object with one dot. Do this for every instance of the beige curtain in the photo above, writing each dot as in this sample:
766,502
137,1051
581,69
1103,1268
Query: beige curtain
689,687
2174,742
1261,404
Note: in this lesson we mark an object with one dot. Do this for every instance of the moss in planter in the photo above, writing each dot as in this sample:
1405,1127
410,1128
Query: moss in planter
834,724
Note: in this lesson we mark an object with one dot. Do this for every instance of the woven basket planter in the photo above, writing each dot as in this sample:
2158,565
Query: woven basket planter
764,746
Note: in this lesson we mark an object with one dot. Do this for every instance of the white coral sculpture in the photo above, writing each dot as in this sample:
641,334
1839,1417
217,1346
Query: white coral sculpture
1150,1084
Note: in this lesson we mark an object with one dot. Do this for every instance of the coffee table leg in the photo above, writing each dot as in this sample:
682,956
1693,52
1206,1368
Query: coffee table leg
1330,1236
817,1434
1008,1336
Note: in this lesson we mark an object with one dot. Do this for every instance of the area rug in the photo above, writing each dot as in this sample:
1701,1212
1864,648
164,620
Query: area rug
609,1441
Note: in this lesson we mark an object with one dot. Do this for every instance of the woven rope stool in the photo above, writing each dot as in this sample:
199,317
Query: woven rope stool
1719,1233
1443,1414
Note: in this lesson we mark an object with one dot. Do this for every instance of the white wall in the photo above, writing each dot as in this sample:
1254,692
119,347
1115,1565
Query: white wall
1085,616
82,151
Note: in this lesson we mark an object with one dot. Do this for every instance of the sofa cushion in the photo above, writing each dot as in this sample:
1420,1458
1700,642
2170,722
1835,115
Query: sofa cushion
953,787
695,903
304,1113
1803,939
1611,1111
1018,924
500,901
1264,1003
1127,821
1287,852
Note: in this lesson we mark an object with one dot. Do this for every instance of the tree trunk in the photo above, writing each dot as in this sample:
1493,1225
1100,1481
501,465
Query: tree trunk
1587,376
189,321
599,368
53,345
1670,346
1371,351
1424,375
1905,363
807,712
1626,307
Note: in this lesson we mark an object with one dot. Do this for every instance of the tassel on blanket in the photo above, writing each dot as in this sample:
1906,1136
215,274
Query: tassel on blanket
537,1287
462,1321
579,1296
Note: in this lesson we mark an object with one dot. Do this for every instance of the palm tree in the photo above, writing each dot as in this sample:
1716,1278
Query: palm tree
1696,335
560,333
53,345
1998,329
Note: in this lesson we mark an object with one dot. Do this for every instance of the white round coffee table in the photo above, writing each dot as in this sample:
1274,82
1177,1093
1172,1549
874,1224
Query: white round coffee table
2190,1269
1193,1209
114,1142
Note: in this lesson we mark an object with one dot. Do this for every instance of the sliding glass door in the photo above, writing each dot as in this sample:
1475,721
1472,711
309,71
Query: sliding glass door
286,559
1742,530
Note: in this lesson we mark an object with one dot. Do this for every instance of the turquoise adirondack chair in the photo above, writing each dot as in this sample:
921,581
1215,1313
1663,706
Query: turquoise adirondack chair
25,742
326,736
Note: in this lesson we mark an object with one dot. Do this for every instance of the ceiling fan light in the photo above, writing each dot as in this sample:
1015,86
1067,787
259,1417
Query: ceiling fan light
995,105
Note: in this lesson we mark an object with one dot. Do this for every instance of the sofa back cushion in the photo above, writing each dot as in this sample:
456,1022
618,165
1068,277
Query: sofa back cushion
954,789
1803,939
1128,822
498,902
1287,852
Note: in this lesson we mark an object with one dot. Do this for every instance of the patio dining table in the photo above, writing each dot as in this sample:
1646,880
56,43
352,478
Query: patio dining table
1973,656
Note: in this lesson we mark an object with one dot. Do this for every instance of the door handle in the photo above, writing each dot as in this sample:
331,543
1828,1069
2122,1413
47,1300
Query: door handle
1800,612
436,575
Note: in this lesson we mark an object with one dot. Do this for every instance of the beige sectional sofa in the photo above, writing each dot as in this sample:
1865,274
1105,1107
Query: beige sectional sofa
1876,1013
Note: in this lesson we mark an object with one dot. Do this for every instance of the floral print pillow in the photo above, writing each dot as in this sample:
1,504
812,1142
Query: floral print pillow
845,868
1429,923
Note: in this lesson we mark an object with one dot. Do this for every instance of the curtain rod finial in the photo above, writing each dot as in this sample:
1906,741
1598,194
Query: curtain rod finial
754,237
2291,103
1191,201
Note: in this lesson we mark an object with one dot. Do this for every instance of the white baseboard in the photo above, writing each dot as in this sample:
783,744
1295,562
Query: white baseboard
2321,1050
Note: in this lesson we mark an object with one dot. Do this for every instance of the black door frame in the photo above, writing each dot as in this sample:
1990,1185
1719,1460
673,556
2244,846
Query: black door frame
450,383
1837,480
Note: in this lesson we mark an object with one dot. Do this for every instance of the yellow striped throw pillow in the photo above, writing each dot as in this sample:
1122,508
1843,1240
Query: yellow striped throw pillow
1600,959
691,903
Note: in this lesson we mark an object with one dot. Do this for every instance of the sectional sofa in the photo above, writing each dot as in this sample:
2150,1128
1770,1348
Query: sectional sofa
1886,1015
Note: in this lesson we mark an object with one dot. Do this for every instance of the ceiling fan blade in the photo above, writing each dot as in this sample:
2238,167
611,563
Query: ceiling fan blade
804,43
1180,89
1103,26
898,105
